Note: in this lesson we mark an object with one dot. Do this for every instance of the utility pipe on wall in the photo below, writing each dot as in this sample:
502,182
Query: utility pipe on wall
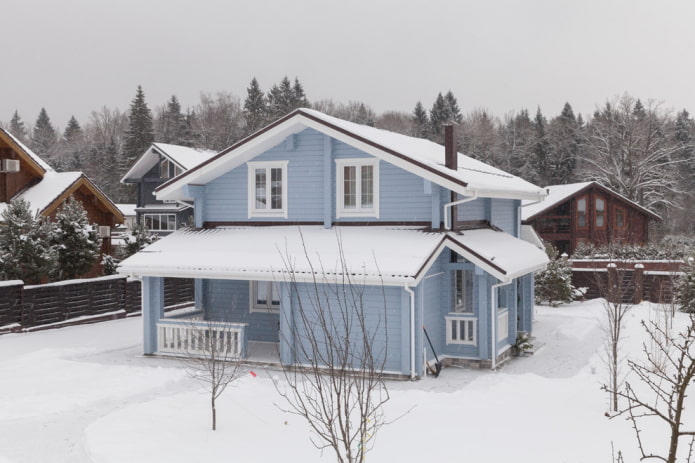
411,293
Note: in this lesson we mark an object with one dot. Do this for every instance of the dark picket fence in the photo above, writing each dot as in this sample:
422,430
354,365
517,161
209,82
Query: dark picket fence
629,281
75,301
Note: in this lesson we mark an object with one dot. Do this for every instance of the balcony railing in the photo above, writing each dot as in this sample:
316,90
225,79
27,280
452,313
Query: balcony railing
190,334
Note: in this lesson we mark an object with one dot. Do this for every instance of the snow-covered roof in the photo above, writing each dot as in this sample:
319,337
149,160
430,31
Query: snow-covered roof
184,157
498,253
55,185
51,186
373,255
27,152
127,209
557,194
417,155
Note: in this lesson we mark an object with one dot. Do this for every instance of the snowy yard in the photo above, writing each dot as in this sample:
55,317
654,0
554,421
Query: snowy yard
85,394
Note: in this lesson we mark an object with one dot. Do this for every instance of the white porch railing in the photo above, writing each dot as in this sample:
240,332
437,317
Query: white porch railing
502,324
189,334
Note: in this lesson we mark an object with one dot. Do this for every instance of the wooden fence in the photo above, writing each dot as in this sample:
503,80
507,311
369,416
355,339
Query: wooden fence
629,281
69,302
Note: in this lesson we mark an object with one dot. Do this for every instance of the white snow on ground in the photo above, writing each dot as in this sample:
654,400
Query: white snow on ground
85,394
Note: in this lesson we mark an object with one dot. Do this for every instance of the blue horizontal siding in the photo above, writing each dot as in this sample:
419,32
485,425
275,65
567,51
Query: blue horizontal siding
228,300
382,309
503,215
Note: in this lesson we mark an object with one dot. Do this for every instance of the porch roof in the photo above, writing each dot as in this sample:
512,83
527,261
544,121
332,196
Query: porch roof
369,255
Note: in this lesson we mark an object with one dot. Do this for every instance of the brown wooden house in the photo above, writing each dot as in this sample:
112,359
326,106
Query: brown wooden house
587,213
24,175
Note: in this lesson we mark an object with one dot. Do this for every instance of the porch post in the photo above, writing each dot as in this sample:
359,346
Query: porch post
152,311
482,289
286,325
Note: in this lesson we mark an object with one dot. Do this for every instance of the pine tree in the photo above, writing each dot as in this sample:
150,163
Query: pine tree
44,136
72,146
554,285
76,242
73,131
255,108
439,116
541,151
173,124
421,122
25,252
17,127
299,99
563,146
140,133
281,99
453,108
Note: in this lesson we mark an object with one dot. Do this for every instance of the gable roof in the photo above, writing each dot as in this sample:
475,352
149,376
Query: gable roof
184,157
416,155
38,165
558,194
55,187
370,255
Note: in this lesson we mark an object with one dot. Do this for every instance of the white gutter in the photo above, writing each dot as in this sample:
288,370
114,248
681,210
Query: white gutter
493,320
456,203
411,293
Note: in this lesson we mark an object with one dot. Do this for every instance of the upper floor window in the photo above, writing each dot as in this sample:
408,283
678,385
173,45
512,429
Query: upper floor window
600,212
357,189
164,168
160,222
267,189
620,221
581,212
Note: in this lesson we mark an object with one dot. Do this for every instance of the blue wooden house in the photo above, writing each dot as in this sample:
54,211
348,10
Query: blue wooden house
430,236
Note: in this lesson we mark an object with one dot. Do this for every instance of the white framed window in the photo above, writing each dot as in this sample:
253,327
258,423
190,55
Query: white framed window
357,188
164,168
265,297
463,291
461,330
160,222
502,325
267,189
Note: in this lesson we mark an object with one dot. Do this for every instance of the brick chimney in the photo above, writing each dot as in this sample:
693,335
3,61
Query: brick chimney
451,157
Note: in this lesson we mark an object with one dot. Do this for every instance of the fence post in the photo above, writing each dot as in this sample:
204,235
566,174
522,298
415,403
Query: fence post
612,293
639,284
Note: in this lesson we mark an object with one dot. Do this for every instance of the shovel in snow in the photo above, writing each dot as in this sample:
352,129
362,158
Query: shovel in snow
438,365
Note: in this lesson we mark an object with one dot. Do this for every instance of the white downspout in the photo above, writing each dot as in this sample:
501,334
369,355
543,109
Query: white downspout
455,203
493,320
411,293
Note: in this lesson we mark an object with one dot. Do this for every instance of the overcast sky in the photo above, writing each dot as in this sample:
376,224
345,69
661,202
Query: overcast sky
75,56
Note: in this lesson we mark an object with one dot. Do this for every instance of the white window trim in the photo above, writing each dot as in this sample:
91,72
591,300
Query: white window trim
340,210
465,322
160,214
252,166
254,306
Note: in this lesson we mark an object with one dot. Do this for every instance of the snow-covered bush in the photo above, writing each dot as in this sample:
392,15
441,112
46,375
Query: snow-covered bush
554,285
672,247
684,290
75,241
138,238
25,252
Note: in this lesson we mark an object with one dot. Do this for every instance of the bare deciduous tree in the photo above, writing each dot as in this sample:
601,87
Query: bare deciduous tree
660,390
339,347
614,291
212,357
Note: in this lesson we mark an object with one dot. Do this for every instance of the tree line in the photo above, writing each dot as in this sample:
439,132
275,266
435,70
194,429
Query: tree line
639,149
